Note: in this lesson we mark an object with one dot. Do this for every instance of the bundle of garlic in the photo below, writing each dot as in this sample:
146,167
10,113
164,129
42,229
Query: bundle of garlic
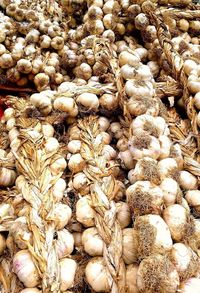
99,208
42,242
72,99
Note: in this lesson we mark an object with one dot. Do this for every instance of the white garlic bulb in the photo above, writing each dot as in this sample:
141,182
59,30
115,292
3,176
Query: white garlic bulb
24,268
51,145
62,215
84,212
123,214
96,275
159,269
76,163
153,235
64,243
68,269
176,218
58,189
170,189
129,245
144,198
92,242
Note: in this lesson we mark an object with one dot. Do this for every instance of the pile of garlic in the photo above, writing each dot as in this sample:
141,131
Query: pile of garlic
32,38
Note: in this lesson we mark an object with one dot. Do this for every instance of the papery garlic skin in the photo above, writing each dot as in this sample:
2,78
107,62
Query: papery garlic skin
68,269
131,278
96,275
92,242
175,217
24,268
64,243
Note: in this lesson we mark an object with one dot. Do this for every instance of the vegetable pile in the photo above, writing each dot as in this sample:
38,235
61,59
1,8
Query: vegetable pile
99,146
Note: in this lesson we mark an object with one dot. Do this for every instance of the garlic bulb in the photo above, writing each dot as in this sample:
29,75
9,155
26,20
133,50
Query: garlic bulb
131,278
80,183
7,177
84,212
58,189
2,244
51,145
104,123
144,198
165,143
74,146
30,290
167,167
191,285
170,189
145,169
157,273
96,275
58,166
187,181
64,243
20,232
129,245
88,100
9,113
144,145
68,269
47,130
76,163
92,242
193,199
153,235
62,215
176,218
184,259
24,268
123,214
135,88
67,105
127,160
6,211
